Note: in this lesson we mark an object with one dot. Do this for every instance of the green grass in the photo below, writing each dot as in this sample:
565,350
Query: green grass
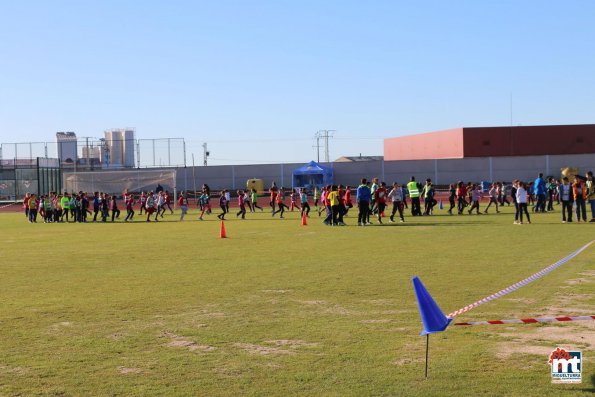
281,309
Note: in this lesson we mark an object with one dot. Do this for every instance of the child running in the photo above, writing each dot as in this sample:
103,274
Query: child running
223,205
254,198
280,204
241,204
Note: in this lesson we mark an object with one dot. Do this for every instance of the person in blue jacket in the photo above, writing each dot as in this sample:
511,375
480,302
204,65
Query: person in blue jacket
539,191
363,196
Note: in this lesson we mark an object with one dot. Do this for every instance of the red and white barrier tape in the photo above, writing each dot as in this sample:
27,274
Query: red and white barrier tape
522,283
529,320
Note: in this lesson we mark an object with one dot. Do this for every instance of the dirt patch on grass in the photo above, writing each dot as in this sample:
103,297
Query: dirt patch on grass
292,343
128,371
21,371
380,302
382,321
406,361
181,342
542,340
313,302
326,307
524,301
262,350
275,291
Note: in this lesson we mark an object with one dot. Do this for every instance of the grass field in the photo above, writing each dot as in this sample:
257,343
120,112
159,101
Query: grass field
280,309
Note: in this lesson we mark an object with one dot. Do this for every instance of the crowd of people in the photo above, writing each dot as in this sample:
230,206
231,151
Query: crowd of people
332,201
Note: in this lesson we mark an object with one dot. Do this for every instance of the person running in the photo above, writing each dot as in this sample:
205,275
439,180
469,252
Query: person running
247,201
567,198
304,203
380,200
504,194
396,198
183,204
373,188
129,202
347,200
316,199
280,204
493,193
323,195
273,196
294,201
461,197
362,198
475,196
150,206
222,204
227,200
104,207
205,205
428,194
114,207
579,190
452,196
167,203
241,204
254,198
160,203
143,201
521,198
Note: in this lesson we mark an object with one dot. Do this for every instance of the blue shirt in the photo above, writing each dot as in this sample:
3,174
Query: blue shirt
363,193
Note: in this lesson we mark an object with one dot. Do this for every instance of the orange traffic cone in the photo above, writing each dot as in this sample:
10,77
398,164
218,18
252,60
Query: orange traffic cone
304,221
222,233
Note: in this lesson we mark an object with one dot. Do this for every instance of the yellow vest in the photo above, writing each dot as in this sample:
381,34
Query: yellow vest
413,190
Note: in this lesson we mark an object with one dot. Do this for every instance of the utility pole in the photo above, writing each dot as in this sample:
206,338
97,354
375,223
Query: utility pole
206,153
317,136
326,134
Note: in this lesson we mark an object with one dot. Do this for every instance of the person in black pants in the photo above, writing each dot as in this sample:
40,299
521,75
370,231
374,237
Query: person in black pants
96,202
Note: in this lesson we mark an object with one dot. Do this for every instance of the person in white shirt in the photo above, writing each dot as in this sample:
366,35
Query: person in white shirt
396,197
565,192
493,193
521,198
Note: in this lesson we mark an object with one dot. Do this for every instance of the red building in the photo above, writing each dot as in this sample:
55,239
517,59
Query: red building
493,142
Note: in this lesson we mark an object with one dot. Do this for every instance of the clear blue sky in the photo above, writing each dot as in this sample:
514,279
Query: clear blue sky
257,79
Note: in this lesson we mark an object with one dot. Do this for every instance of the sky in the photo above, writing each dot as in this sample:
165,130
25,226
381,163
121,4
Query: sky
256,80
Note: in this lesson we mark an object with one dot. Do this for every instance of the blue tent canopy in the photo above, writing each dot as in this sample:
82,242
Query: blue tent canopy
312,175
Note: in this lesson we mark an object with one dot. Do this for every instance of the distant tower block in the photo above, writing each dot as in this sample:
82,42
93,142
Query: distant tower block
121,146
66,147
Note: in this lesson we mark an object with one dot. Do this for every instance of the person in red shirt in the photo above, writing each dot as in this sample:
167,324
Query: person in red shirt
380,199
26,204
347,199
129,201
280,204
241,204
167,202
342,210
461,195
273,191
183,204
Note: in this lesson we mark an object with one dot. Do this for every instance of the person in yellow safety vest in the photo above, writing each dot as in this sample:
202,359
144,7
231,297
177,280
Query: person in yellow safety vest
414,194
65,204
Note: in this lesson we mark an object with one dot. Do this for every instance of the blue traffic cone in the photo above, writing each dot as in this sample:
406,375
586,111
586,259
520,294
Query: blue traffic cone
441,206
432,316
